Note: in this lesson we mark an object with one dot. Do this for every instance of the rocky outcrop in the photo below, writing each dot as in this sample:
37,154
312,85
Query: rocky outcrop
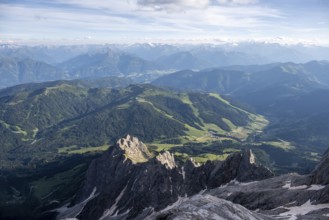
128,181
288,196
321,173
167,159
241,167
207,207
135,150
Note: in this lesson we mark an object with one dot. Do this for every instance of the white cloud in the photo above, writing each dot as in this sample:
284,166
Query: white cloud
173,5
237,2
150,18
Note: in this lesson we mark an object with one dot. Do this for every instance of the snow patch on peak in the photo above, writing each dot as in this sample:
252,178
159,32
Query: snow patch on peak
111,211
288,186
316,187
205,206
74,211
294,211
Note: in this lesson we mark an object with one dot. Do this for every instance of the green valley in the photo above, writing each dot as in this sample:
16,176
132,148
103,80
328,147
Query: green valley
64,118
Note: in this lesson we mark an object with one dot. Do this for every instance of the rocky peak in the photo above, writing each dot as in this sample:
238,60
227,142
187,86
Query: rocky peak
239,166
134,149
251,156
249,170
167,159
321,173
128,179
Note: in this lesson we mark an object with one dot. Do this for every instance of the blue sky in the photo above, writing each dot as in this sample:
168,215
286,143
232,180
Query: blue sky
159,20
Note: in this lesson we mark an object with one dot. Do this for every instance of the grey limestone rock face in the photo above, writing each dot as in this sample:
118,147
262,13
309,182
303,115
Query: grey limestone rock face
321,173
239,166
128,179
207,207
289,196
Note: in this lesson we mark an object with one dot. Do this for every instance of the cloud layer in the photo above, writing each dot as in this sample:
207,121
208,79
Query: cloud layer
173,5
158,19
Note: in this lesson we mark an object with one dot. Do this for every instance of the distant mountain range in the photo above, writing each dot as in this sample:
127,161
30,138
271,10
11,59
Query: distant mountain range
237,80
15,71
108,62
143,62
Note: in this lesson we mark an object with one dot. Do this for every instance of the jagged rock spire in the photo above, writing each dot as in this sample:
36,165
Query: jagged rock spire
167,159
135,150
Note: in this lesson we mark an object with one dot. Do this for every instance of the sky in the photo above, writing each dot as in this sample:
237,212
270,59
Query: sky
128,21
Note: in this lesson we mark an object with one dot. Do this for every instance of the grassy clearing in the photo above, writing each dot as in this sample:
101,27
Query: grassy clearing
154,92
256,125
313,156
259,122
123,106
285,145
200,135
182,156
221,99
229,123
206,126
231,150
78,150
66,87
35,132
161,147
228,103
212,127
67,128
194,133
202,158
141,100
185,99
7,126
18,130
206,138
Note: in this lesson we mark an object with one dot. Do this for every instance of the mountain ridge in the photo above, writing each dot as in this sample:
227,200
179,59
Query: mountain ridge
286,196
107,63
121,181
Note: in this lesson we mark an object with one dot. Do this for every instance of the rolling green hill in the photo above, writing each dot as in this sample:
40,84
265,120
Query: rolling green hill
68,116
294,97
40,123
